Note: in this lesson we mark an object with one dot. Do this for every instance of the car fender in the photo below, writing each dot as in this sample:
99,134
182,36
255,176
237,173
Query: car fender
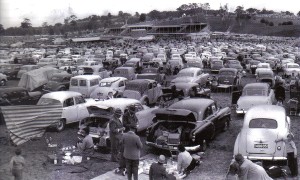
142,99
224,112
236,149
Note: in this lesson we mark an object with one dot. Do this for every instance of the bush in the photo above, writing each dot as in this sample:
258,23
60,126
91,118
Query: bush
289,23
271,24
262,20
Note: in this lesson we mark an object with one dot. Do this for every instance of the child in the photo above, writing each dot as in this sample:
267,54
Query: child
17,164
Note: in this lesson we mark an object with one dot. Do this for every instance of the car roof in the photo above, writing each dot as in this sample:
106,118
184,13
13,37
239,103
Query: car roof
257,85
88,77
121,103
141,81
194,105
61,95
228,69
189,69
113,79
265,111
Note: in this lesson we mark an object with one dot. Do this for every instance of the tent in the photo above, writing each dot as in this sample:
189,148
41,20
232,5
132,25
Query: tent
146,38
36,78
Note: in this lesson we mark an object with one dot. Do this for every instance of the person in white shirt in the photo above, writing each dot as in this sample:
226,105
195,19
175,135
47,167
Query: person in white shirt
186,163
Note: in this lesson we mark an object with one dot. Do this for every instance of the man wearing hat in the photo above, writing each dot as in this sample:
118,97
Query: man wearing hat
158,171
129,118
115,133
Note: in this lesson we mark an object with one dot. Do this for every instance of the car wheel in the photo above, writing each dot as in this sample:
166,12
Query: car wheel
61,125
2,83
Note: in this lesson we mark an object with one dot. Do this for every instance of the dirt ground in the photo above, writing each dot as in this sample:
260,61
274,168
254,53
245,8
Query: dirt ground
215,161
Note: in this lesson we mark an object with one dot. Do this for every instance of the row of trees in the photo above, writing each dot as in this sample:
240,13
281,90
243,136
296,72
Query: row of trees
95,22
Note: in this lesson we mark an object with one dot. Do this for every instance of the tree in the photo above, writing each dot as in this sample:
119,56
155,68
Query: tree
120,14
2,30
45,24
142,17
252,10
137,14
26,23
154,14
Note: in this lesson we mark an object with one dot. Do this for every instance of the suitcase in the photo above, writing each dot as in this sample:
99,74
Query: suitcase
174,138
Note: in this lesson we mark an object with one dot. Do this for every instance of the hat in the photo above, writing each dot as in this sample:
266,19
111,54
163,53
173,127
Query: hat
118,111
161,159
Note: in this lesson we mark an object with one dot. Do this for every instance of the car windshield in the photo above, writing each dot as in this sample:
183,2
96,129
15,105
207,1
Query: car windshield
105,84
184,74
254,92
57,78
263,123
47,101
226,73
217,62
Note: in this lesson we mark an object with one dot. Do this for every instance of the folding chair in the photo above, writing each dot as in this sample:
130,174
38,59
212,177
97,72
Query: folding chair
293,106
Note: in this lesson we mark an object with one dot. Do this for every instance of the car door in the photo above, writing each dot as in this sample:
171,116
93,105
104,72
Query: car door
144,115
69,110
150,92
121,86
81,108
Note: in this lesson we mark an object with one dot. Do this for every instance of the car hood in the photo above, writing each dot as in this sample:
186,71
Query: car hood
132,94
183,79
165,114
245,102
103,92
52,85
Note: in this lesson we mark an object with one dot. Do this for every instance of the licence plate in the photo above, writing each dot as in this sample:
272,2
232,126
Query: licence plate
262,146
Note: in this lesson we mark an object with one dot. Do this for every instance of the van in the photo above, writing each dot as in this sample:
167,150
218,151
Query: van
127,72
84,84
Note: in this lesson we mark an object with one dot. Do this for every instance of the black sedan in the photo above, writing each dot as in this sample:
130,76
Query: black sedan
58,82
190,122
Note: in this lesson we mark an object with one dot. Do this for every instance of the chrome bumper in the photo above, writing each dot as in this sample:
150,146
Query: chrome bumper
266,158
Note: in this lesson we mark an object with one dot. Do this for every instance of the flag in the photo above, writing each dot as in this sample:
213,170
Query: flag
29,121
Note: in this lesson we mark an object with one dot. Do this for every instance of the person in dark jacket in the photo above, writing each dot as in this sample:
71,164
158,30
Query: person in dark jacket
158,171
115,133
280,93
129,118
132,150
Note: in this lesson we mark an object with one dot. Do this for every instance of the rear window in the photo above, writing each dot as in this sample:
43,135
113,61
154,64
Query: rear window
263,123
74,82
82,82
94,82
48,101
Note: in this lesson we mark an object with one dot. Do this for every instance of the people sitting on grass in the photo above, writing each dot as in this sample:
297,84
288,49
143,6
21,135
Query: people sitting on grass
186,163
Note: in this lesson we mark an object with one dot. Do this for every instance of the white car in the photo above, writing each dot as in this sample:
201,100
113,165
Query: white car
143,113
290,69
115,85
191,74
260,138
73,104
261,67
255,94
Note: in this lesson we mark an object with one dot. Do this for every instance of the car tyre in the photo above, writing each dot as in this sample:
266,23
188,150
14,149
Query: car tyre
61,125
2,83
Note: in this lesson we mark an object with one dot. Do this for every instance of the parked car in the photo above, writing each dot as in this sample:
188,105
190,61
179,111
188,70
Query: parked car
152,73
228,77
142,112
252,65
3,79
10,70
58,82
190,122
47,62
260,138
262,66
234,64
26,68
84,84
18,96
127,72
291,68
216,65
174,66
191,74
254,94
136,63
94,70
115,85
73,103
266,76
147,91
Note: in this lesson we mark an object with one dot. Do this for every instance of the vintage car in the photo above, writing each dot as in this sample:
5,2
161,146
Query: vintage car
111,63
252,65
73,104
142,112
26,68
290,69
115,85
261,67
3,79
136,63
190,122
266,76
147,91
163,57
127,72
254,94
47,62
10,70
18,96
95,70
58,82
123,58
194,63
234,64
191,74
228,77
260,138
152,73
216,65
174,66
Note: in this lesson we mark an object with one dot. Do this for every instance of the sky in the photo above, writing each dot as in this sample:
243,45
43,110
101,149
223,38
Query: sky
12,12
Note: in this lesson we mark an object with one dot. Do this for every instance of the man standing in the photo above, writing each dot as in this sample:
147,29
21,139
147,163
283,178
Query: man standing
129,118
132,150
115,133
